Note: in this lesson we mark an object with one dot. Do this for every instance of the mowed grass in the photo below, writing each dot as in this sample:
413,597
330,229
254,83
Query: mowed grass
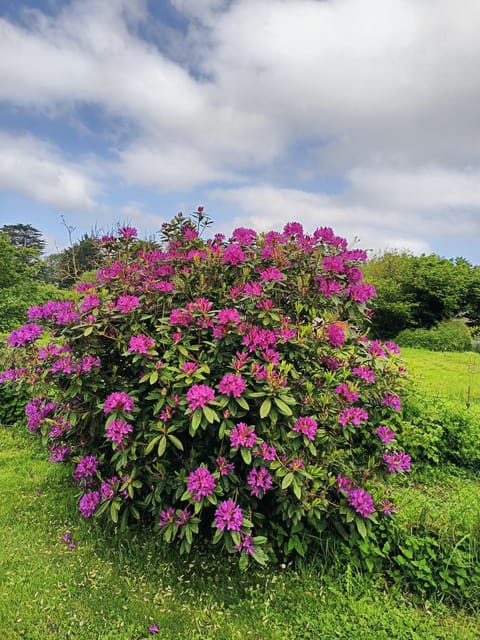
449,374
106,590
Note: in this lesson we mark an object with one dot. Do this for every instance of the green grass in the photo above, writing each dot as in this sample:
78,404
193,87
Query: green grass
105,590
451,374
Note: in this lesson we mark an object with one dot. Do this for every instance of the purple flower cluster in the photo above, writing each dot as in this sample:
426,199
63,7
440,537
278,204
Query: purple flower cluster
88,503
201,484
117,430
350,395
397,461
385,434
86,468
199,395
352,415
224,467
259,480
365,373
118,401
246,544
27,333
229,516
308,426
243,436
232,385
37,411
391,400
361,501
140,344
125,304
335,335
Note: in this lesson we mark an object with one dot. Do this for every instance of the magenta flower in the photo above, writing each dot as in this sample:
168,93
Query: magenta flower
189,368
58,453
27,333
246,544
243,436
391,400
308,426
107,488
118,401
271,273
90,302
397,461
243,236
329,287
201,484
89,503
167,517
336,335
362,292
153,628
125,304
361,501
199,395
293,229
226,316
296,464
259,480
267,451
232,385
223,466
228,515
181,317
233,254
117,430
365,373
140,344
253,289
335,264
85,468
344,390
352,415
385,434
127,233
345,484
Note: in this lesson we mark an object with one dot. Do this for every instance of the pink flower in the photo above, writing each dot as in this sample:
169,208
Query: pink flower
228,515
271,273
167,517
201,484
233,254
296,464
117,430
199,395
253,289
259,480
224,467
232,385
361,501
226,316
118,401
27,333
385,434
352,415
268,452
127,233
308,426
189,368
397,461
89,503
243,236
243,436
391,400
90,302
246,544
336,335
344,390
140,344
125,304
365,373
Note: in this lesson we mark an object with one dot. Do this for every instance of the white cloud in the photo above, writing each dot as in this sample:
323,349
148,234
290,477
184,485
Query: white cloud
384,92
34,168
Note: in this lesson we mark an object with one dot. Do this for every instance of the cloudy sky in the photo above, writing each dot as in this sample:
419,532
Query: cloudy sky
362,115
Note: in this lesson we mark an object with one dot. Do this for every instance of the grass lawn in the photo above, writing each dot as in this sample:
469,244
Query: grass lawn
103,590
450,374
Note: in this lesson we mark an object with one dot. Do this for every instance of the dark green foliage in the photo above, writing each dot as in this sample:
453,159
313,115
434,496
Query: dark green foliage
438,430
420,291
451,335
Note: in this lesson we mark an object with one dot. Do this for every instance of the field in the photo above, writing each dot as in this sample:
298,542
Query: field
103,589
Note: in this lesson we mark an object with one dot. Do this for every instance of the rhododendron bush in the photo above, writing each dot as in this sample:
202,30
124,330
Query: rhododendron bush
221,389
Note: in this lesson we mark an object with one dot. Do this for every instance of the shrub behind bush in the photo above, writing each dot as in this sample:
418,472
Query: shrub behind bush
451,335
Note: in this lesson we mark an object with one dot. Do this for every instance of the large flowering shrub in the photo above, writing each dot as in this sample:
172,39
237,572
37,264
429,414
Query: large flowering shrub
220,388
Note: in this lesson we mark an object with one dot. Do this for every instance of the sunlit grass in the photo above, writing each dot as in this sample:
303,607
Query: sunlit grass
449,374
107,590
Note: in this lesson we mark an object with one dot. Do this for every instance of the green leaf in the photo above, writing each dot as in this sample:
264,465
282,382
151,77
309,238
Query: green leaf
151,445
288,479
297,489
87,332
361,528
162,445
265,408
154,377
176,442
196,419
282,407
246,455
242,403
209,414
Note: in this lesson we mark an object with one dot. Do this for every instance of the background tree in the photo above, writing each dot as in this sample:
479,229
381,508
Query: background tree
420,291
